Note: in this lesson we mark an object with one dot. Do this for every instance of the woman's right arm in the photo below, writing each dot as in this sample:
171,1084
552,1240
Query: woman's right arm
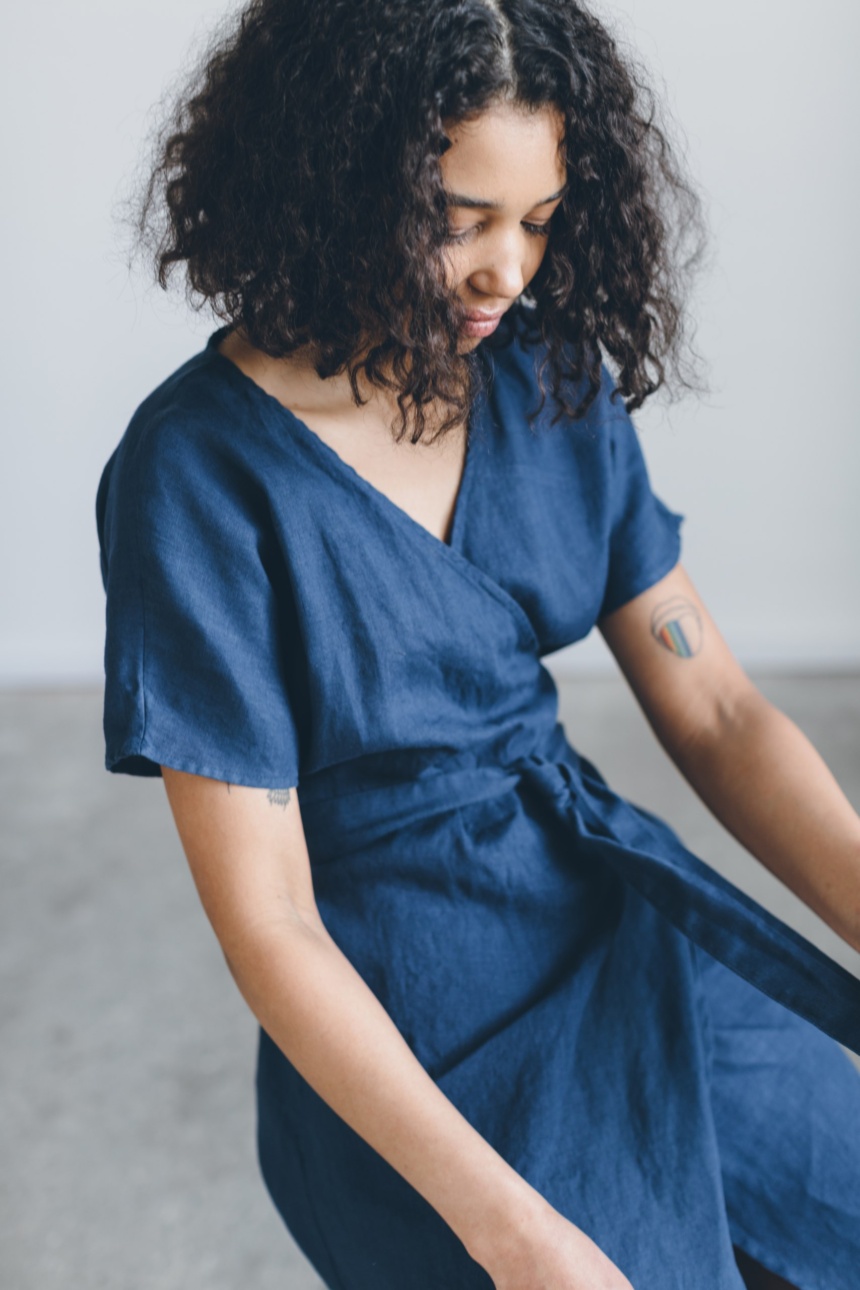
248,856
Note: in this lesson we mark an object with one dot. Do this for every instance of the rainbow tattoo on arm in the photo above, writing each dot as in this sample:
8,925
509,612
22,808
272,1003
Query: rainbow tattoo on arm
677,625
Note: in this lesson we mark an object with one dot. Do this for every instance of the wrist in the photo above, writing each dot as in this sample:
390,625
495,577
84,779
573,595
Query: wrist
502,1228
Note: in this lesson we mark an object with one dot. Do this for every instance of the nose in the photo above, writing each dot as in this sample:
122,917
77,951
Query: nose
501,272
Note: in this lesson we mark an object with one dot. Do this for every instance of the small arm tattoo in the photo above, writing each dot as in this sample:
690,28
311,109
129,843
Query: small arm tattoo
677,625
279,797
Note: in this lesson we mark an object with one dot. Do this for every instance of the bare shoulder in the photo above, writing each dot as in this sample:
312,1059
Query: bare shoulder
246,849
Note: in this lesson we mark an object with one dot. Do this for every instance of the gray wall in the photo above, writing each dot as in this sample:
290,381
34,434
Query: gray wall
766,469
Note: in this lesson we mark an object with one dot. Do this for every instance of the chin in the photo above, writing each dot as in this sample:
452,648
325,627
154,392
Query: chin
466,344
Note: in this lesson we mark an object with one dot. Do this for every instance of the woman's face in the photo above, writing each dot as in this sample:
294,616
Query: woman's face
504,177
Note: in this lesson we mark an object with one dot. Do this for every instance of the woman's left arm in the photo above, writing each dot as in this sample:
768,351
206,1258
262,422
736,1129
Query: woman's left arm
748,762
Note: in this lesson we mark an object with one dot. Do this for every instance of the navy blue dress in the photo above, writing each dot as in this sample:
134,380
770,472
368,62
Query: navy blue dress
651,1049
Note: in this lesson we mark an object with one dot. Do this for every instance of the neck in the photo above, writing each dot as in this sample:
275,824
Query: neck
294,381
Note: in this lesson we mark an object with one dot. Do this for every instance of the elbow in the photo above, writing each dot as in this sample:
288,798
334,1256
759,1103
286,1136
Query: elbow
254,946
714,726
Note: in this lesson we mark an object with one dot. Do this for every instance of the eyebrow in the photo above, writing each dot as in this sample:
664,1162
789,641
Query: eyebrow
477,203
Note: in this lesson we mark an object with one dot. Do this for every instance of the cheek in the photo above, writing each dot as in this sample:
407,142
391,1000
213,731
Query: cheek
457,266
538,255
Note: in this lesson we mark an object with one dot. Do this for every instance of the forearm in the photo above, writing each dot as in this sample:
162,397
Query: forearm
320,1012
767,784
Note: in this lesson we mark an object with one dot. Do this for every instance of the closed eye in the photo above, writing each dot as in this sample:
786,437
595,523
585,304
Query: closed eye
534,230
538,230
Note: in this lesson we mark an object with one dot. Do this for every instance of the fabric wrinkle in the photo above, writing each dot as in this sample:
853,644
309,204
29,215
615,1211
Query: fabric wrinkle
631,1031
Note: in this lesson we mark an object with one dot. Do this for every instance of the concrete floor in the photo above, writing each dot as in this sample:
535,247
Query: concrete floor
127,1060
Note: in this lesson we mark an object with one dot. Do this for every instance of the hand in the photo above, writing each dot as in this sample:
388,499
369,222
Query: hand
550,1253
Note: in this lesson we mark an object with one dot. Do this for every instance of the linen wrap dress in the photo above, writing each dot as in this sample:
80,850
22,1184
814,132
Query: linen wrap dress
655,1052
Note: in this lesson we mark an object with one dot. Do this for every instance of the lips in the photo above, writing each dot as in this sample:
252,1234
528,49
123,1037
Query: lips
478,322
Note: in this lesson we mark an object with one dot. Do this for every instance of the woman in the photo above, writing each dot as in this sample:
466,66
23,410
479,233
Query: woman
513,1033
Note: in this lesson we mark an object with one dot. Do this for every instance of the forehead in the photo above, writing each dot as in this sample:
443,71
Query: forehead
506,150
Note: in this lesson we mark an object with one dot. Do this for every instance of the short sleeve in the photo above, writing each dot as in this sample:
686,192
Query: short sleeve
645,538
196,664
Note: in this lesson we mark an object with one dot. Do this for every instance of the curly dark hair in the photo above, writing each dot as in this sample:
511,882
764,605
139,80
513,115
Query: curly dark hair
298,181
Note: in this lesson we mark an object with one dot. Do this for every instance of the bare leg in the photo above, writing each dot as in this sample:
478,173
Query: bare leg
758,1278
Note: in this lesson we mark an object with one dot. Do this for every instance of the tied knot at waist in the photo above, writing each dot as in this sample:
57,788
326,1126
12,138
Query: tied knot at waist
355,818
642,851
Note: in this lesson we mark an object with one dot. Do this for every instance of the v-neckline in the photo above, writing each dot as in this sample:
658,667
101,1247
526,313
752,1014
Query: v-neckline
341,465
334,465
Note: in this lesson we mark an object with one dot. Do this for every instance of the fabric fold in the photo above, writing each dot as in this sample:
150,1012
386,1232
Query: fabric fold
711,911
641,849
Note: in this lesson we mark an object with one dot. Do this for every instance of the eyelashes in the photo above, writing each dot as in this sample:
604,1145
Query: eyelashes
534,230
538,230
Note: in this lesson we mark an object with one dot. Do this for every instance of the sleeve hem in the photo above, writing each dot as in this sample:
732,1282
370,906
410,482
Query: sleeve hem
141,759
644,580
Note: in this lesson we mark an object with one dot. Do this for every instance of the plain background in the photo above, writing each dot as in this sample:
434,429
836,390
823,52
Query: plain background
765,468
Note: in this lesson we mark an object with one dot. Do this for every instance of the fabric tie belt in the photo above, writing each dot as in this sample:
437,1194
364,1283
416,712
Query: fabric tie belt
641,849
